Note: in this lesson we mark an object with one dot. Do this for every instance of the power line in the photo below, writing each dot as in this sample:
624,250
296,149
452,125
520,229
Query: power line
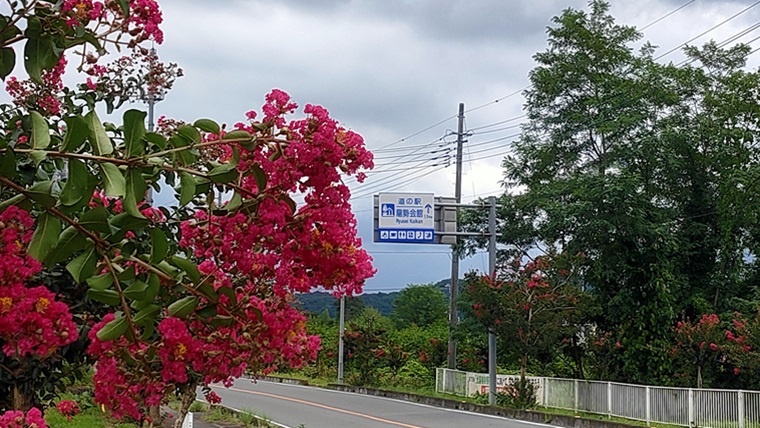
488,131
399,181
497,100
385,171
732,17
665,16
401,140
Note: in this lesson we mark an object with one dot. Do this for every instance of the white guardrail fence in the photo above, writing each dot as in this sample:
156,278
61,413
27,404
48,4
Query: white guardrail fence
714,408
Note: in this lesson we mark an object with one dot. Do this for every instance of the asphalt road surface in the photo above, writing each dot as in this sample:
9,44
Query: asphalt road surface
296,406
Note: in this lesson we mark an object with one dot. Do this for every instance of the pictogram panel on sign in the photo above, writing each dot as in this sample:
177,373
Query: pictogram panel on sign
406,217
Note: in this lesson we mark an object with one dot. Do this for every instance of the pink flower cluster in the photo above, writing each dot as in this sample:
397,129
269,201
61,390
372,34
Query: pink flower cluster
79,13
44,97
32,322
142,23
260,257
17,419
68,408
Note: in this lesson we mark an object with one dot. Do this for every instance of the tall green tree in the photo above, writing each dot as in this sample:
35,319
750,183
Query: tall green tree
421,305
587,188
647,170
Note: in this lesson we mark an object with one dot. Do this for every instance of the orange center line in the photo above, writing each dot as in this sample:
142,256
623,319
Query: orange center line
323,406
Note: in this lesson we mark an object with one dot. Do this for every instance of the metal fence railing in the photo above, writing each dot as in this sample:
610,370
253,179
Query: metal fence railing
713,408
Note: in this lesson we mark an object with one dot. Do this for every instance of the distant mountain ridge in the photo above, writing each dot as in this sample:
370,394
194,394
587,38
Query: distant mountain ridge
319,301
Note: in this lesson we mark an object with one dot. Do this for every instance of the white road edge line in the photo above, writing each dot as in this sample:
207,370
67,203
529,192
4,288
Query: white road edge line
242,411
406,402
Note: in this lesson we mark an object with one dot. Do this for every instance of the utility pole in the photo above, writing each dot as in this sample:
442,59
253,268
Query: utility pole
341,330
492,273
454,286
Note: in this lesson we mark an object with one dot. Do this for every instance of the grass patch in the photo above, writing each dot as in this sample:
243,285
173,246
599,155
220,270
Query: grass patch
247,419
198,406
598,417
91,418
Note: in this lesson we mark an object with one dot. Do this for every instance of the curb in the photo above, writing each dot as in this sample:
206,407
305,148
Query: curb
523,415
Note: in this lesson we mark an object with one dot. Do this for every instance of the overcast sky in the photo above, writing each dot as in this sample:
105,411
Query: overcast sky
390,69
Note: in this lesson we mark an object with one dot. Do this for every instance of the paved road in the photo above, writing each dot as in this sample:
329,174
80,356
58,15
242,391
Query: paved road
300,406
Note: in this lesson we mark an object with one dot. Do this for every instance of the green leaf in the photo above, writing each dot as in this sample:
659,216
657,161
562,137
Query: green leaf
99,140
101,282
40,54
187,156
237,135
207,312
234,203
38,156
45,236
40,193
224,173
11,201
8,165
69,242
7,62
124,222
113,180
186,188
74,189
127,274
109,297
183,307
187,266
156,139
159,245
9,31
230,293
135,192
147,315
137,291
76,133
207,125
207,291
96,220
168,269
113,330
222,321
33,27
154,286
40,131
290,202
260,176
190,134
134,131
83,266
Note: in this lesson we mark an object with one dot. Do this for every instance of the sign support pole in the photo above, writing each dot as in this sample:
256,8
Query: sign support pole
492,272
341,328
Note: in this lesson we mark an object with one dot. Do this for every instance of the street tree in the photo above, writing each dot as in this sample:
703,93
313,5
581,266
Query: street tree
421,305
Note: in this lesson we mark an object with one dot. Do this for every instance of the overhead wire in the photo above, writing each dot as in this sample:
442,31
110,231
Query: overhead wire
725,21
725,42
666,15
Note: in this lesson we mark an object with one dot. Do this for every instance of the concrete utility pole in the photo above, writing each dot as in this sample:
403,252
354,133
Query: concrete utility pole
454,286
492,272
340,337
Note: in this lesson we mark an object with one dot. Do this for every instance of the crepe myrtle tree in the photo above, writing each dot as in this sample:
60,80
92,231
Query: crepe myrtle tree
532,305
199,292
